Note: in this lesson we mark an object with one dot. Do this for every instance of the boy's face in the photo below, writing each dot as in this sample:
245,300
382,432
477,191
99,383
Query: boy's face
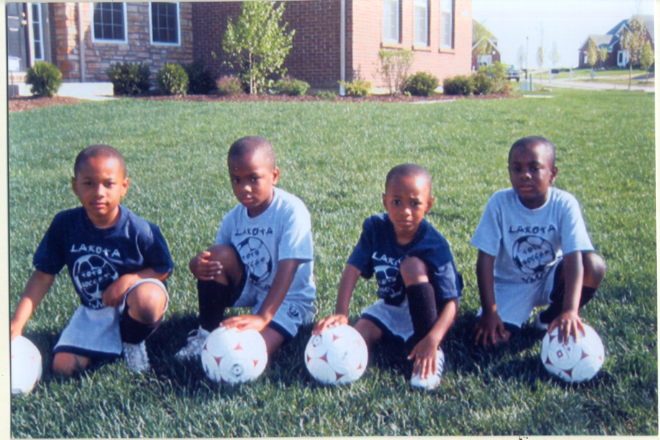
252,180
100,184
531,173
407,200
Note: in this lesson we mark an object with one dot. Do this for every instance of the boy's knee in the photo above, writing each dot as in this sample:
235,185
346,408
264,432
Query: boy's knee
68,364
413,271
223,253
594,269
369,331
147,302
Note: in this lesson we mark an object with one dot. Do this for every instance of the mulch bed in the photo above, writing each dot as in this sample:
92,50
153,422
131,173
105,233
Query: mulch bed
28,103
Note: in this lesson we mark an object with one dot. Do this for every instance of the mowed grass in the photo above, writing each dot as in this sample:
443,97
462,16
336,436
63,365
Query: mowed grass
335,157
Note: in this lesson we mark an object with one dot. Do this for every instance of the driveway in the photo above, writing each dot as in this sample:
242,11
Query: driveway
593,85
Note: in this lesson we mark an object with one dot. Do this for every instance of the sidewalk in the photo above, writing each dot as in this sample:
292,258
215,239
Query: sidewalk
592,85
97,91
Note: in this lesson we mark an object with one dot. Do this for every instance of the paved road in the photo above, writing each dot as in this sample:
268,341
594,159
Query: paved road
591,85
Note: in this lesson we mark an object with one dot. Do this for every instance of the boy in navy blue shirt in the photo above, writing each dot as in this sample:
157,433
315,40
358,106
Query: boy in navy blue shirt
418,284
117,262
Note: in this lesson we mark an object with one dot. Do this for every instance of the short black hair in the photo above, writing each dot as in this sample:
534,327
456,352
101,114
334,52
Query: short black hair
250,145
408,170
98,151
531,141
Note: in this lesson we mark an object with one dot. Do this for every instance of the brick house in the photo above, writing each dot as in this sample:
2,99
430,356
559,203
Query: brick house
616,56
334,40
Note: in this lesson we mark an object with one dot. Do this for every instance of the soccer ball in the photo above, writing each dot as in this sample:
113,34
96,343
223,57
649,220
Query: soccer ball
573,362
25,366
234,357
339,355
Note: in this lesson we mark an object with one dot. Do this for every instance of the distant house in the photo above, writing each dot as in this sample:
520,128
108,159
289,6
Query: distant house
334,40
484,47
616,56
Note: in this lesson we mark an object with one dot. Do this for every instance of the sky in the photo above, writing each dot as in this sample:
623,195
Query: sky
566,23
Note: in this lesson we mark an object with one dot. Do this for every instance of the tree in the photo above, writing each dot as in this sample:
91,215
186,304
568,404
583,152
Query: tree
602,55
482,36
555,57
540,58
592,55
633,37
521,56
647,58
258,44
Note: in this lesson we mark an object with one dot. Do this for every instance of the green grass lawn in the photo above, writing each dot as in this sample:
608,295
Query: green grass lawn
335,157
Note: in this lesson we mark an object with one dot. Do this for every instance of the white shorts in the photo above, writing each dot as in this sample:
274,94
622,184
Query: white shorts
396,319
94,333
291,314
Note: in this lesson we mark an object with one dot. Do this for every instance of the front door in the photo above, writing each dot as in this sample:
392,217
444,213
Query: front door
17,50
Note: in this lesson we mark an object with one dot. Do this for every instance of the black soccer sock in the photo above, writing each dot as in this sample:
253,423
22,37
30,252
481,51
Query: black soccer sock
423,311
213,298
557,304
133,331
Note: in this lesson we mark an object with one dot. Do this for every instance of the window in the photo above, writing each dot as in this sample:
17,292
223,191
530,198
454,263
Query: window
447,24
421,22
622,58
109,22
37,32
391,21
165,23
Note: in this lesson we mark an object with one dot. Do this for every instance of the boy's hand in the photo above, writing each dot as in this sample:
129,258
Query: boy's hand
245,322
330,321
203,268
569,323
425,353
114,294
489,330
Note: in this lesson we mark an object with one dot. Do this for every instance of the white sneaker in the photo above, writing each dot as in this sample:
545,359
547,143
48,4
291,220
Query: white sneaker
136,357
193,349
540,325
431,382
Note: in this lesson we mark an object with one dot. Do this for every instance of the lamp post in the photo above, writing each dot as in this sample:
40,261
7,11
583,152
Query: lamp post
526,57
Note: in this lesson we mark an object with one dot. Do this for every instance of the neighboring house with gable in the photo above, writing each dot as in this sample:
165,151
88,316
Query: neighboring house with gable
484,48
334,40
616,55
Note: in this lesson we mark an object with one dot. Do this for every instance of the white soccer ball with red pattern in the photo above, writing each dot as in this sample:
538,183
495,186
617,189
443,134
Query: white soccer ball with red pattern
234,357
25,365
339,355
574,361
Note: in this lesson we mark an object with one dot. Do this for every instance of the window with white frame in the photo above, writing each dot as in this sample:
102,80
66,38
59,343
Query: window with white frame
109,22
37,32
622,58
392,21
447,24
164,23
421,22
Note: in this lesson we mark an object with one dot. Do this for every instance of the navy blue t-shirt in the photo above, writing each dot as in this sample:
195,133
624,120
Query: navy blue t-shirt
95,257
378,253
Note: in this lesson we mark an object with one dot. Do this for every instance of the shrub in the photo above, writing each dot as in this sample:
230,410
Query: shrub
394,66
44,79
457,85
200,81
497,73
172,79
326,94
421,84
358,88
481,84
129,78
230,85
291,87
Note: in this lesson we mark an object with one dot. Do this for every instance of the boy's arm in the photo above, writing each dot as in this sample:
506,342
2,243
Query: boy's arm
286,271
114,294
347,284
425,351
34,292
490,327
569,321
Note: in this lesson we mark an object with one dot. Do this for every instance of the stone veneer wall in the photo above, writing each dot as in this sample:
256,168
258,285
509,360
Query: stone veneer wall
99,55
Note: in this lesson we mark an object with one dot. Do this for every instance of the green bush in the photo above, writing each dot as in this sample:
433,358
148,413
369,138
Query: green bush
129,78
358,88
200,81
172,79
230,85
44,79
394,66
291,87
326,94
457,85
421,84
481,84
497,73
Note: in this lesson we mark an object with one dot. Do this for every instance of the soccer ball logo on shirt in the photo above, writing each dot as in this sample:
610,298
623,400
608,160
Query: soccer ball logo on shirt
532,254
256,258
92,274
388,287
